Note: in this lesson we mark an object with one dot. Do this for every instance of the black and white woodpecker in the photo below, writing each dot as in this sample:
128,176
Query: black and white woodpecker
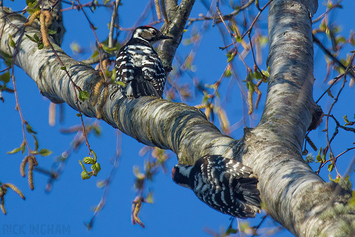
138,65
224,184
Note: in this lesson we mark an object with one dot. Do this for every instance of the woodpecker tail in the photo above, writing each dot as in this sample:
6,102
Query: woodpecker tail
247,187
140,87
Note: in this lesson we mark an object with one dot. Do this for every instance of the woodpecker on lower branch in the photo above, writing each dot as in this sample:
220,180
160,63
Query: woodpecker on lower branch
138,65
224,184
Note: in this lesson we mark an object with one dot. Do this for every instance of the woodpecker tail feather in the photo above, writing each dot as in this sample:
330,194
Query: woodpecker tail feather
251,195
140,87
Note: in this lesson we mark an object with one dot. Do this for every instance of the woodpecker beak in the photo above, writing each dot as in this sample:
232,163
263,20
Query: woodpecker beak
163,37
166,37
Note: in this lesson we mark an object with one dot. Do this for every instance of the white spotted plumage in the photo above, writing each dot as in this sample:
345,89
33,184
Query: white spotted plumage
224,184
138,65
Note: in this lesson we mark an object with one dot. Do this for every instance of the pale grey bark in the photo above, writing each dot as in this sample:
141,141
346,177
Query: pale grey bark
57,20
178,15
293,194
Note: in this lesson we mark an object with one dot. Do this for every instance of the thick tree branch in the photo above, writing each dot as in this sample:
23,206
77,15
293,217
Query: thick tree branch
293,194
151,121
178,16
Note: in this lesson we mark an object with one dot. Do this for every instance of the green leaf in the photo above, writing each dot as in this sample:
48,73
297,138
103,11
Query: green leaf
205,98
263,40
330,167
15,150
266,73
257,75
107,49
36,37
12,42
330,94
97,131
244,226
88,160
149,199
120,83
7,58
44,152
36,142
227,73
32,39
63,68
5,77
51,32
319,156
231,231
230,57
346,119
238,38
23,149
113,75
29,129
352,199
83,95
251,86
40,45
96,168
94,55
340,39
85,175
30,1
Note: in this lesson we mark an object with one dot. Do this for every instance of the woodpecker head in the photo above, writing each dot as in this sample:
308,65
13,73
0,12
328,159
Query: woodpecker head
149,34
181,175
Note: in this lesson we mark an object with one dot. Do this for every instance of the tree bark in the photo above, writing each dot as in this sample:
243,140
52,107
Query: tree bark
293,194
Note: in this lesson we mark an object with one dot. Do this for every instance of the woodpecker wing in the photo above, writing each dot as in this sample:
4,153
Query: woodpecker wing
139,67
153,71
227,186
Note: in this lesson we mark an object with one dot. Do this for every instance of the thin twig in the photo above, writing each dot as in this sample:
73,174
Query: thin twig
112,24
325,50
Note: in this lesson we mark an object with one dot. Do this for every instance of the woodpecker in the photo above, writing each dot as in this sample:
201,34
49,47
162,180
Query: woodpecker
138,65
224,184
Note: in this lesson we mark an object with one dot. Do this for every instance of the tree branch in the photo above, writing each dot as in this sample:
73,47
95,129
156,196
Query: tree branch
150,120
293,194
178,16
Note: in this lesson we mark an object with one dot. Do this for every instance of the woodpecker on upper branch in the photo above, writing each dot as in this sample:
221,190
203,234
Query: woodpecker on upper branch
224,184
138,64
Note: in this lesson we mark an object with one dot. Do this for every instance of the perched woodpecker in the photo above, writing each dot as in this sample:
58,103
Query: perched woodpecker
138,65
224,184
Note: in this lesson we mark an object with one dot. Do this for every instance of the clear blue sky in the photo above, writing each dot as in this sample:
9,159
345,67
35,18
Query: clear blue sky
176,211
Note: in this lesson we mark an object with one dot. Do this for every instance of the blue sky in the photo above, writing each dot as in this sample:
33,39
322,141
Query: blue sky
175,211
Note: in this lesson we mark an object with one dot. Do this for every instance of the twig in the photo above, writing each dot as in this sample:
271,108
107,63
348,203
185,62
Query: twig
325,50
112,24
327,11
